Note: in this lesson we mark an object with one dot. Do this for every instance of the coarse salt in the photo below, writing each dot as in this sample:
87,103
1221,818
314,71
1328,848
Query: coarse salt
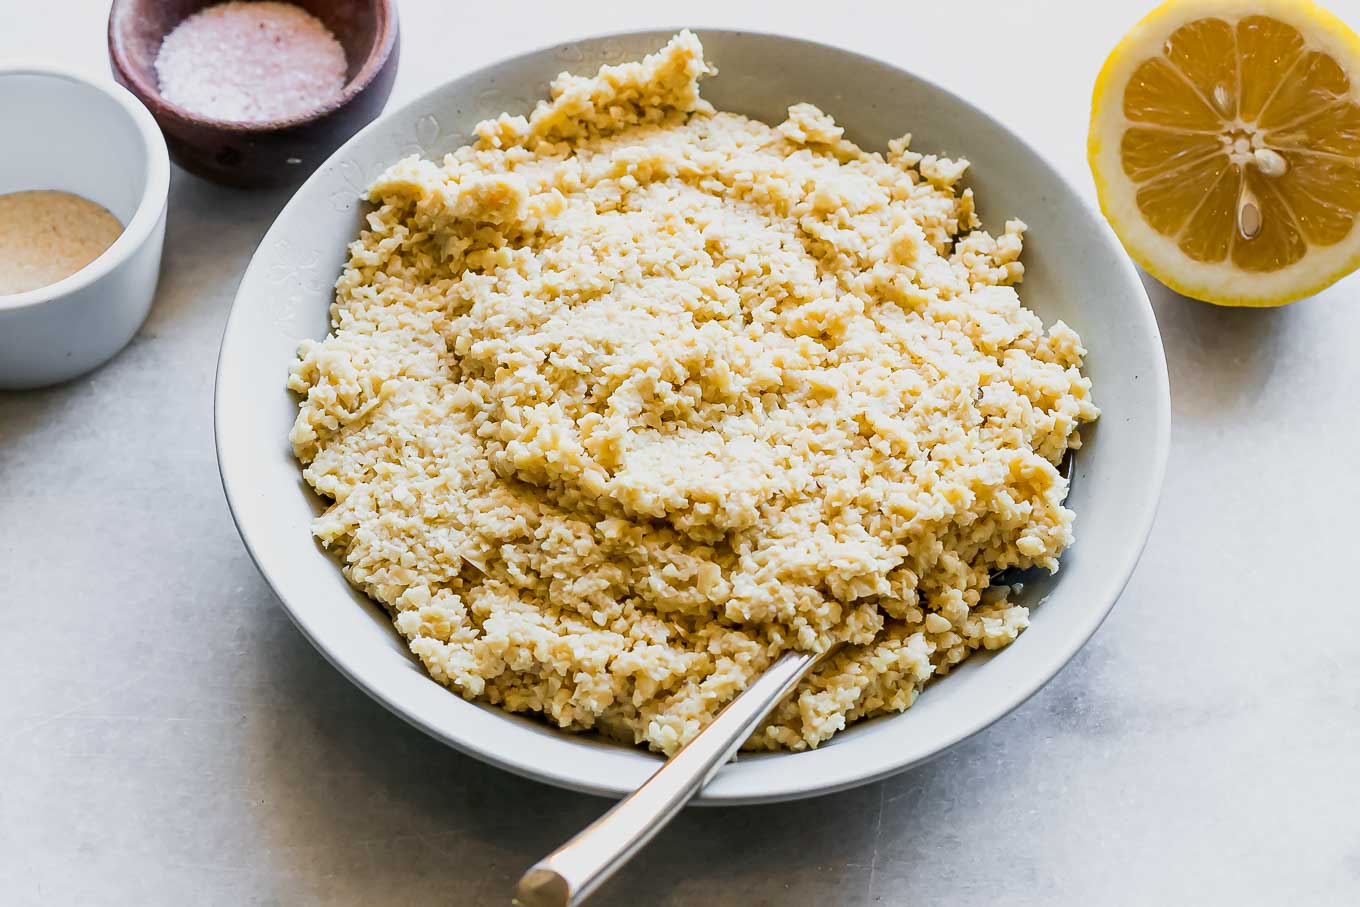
251,62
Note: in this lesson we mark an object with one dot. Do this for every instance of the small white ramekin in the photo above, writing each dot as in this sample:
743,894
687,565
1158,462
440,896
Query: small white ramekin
94,139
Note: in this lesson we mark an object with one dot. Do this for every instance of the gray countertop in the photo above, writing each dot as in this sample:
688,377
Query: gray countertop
167,736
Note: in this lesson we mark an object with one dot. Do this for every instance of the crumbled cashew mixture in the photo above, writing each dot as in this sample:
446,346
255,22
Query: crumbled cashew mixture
631,396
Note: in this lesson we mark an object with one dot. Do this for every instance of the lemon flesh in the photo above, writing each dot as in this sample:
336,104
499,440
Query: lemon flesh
1225,145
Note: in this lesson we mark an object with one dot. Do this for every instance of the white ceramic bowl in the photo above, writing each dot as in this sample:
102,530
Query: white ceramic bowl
1076,271
94,139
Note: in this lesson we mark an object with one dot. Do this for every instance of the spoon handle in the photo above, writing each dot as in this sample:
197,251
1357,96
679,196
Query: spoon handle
568,875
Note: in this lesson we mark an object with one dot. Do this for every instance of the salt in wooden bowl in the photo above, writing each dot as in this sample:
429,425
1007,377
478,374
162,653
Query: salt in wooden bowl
274,152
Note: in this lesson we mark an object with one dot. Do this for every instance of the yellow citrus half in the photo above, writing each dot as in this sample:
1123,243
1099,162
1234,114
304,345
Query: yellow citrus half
1225,145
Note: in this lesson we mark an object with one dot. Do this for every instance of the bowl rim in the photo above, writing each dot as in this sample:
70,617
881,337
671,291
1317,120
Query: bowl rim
388,27
156,191
776,785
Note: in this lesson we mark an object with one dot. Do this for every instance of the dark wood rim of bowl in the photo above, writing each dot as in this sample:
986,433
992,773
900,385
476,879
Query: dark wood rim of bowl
151,96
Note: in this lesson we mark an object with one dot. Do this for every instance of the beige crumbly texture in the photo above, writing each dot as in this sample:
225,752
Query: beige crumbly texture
631,396
47,235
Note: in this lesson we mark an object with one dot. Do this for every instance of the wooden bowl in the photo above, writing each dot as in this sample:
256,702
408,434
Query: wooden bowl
267,153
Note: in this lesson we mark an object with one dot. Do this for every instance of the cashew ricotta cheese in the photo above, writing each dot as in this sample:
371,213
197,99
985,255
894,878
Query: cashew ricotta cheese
631,396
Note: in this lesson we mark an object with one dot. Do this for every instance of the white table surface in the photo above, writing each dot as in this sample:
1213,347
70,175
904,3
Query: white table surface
167,736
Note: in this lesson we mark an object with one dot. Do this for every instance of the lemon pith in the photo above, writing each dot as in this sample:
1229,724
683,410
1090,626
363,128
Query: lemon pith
1225,146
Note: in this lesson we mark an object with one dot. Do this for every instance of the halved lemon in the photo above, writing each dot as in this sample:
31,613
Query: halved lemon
1225,145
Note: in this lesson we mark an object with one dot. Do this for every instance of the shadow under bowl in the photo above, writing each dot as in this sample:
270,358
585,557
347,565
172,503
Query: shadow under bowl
269,153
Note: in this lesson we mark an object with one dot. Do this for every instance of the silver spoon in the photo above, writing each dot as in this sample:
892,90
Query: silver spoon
568,875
